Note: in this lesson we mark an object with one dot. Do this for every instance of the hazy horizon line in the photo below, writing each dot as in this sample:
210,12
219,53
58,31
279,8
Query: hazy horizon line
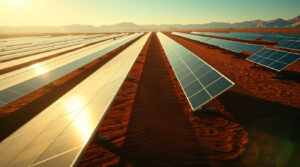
132,22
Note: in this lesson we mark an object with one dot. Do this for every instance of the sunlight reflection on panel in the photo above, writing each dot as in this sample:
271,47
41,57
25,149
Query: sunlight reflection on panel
81,123
39,69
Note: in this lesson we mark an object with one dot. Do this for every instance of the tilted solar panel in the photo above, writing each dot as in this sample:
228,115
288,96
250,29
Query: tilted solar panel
22,58
274,59
234,46
244,36
11,93
199,81
254,48
38,45
58,135
289,44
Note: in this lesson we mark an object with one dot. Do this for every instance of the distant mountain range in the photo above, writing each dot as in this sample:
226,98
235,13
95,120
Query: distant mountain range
127,26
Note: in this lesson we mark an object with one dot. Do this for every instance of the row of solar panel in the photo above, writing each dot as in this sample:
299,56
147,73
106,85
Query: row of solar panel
289,44
37,41
22,74
230,35
12,93
47,64
19,40
10,42
58,135
39,45
290,41
25,57
237,47
274,59
41,49
273,37
199,81
34,51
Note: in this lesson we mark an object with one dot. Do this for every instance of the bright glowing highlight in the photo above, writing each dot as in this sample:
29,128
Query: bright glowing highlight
39,68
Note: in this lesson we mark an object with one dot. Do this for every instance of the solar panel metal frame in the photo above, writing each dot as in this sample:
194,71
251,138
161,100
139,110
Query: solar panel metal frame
266,55
204,88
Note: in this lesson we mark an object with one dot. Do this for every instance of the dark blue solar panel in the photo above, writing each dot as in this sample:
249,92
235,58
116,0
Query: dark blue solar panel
244,36
192,88
201,71
193,74
277,55
218,86
262,52
209,77
266,62
187,80
274,59
199,98
290,58
254,48
234,46
278,66
289,44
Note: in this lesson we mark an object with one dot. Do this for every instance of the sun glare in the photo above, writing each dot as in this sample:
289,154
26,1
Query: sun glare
39,68
82,122
16,2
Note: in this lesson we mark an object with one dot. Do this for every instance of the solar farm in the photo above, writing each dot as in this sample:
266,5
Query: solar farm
169,98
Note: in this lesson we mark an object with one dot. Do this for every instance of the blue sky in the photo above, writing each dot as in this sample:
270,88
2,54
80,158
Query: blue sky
99,12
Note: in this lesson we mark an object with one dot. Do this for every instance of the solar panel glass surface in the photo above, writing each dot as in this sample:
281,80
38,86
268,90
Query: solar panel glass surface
199,81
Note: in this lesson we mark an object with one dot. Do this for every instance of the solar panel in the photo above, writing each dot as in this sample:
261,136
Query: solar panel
280,37
21,59
45,77
234,46
37,56
59,134
199,81
254,48
274,59
289,44
37,44
35,51
244,36
20,75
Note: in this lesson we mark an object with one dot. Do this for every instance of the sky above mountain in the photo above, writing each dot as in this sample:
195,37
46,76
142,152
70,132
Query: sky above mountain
99,12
